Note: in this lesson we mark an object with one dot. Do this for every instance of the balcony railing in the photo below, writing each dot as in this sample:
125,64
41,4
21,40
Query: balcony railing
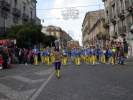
120,11
32,21
132,2
129,27
99,35
16,12
122,30
25,17
5,6
106,25
3,30
127,5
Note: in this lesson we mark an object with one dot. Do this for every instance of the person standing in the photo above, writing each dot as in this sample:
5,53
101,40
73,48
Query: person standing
21,54
121,56
4,59
31,57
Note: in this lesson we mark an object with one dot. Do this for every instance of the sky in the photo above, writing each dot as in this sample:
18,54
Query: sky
50,12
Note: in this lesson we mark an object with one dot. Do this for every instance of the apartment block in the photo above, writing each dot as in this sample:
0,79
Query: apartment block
17,12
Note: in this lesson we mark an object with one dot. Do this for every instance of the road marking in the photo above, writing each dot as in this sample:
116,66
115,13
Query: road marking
45,72
27,80
41,88
12,94
128,70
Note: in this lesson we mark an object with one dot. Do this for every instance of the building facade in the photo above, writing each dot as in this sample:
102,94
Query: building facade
88,25
57,32
17,12
97,34
119,23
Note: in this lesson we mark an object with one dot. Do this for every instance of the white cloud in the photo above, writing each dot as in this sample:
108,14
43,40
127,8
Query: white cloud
51,16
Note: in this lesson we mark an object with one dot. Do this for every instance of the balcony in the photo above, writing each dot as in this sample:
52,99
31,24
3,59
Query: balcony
121,14
115,36
127,5
3,30
106,25
53,30
113,18
32,21
99,36
122,31
104,37
25,17
107,36
16,12
129,27
5,6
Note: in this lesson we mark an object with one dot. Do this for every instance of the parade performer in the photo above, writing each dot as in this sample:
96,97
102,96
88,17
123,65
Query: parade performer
35,51
77,56
72,55
42,55
64,56
100,54
83,54
93,56
57,62
111,56
103,58
88,55
47,56
52,56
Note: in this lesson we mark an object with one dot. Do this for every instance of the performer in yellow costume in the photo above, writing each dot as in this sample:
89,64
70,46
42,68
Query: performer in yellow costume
35,51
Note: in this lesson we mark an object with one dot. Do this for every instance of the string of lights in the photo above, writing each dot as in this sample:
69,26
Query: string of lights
69,7
69,12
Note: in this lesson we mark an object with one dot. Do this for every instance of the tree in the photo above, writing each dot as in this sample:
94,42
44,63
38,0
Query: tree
13,31
30,34
50,39
25,34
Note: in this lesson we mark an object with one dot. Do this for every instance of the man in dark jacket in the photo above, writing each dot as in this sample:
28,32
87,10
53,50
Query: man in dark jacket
121,56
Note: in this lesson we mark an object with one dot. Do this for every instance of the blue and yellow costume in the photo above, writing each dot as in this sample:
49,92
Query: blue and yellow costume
57,63
77,57
35,51
111,57
47,56
64,56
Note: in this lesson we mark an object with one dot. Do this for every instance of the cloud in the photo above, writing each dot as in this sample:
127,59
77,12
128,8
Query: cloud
54,17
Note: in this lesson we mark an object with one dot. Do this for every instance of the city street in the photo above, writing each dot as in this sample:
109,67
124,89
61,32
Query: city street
84,82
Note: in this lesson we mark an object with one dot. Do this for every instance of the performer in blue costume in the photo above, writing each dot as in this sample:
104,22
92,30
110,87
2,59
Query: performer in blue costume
35,51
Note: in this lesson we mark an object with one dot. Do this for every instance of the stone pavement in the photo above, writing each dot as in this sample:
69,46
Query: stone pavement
84,82
21,81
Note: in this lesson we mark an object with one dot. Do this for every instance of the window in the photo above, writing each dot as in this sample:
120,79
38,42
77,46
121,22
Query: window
24,8
3,22
122,5
31,14
15,3
55,34
49,33
114,10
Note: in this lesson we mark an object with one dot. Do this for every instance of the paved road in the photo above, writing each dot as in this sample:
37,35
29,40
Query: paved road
85,82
